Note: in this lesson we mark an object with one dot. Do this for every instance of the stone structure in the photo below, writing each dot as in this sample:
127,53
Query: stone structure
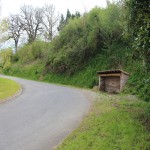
112,81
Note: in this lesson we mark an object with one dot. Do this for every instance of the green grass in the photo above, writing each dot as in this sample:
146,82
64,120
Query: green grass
8,88
118,56
114,123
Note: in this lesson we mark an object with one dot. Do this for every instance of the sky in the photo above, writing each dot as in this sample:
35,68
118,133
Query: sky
13,6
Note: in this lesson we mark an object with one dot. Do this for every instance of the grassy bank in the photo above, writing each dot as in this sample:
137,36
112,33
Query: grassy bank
8,88
138,83
115,122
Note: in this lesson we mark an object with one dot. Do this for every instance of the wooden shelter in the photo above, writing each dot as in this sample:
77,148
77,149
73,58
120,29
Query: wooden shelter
112,81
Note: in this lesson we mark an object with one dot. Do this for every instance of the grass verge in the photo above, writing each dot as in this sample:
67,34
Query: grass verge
116,122
8,88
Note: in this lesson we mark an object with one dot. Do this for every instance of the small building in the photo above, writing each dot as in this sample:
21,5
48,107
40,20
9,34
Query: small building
112,81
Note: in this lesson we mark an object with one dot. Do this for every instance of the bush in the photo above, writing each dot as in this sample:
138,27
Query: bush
6,57
85,45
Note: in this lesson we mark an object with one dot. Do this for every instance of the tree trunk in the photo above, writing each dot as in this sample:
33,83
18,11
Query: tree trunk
16,45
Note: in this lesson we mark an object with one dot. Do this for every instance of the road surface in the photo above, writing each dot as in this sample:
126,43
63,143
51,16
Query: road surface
41,117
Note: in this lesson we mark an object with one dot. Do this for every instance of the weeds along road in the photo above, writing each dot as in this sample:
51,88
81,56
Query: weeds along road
41,117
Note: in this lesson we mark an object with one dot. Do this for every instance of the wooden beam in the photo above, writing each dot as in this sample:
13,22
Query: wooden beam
109,75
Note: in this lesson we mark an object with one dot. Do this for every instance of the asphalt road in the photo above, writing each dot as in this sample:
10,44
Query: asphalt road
41,117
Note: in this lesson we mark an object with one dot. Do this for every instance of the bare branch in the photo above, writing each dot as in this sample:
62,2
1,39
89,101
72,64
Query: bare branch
50,21
32,21
15,28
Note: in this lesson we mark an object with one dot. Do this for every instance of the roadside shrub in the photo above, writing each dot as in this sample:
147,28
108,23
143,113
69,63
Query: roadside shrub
32,52
25,54
6,57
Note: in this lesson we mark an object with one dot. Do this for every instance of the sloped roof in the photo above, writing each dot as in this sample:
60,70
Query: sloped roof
112,71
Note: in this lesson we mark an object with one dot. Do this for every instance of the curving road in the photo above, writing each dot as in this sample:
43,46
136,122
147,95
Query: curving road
41,117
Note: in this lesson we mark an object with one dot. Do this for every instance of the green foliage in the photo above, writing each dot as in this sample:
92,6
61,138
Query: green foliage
111,24
139,24
3,26
81,39
140,81
84,45
25,54
31,52
30,71
6,58
65,20
61,23
85,37
68,16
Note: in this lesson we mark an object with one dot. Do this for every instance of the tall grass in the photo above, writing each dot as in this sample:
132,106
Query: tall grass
113,123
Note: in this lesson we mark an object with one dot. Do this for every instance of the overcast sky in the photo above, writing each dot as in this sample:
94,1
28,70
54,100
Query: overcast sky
13,6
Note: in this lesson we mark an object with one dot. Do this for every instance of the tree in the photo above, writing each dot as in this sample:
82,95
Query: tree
6,57
111,22
50,21
62,23
138,29
68,16
32,20
77,14
15,29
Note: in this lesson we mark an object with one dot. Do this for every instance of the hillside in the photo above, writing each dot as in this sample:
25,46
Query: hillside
138,83
102,39
86,44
